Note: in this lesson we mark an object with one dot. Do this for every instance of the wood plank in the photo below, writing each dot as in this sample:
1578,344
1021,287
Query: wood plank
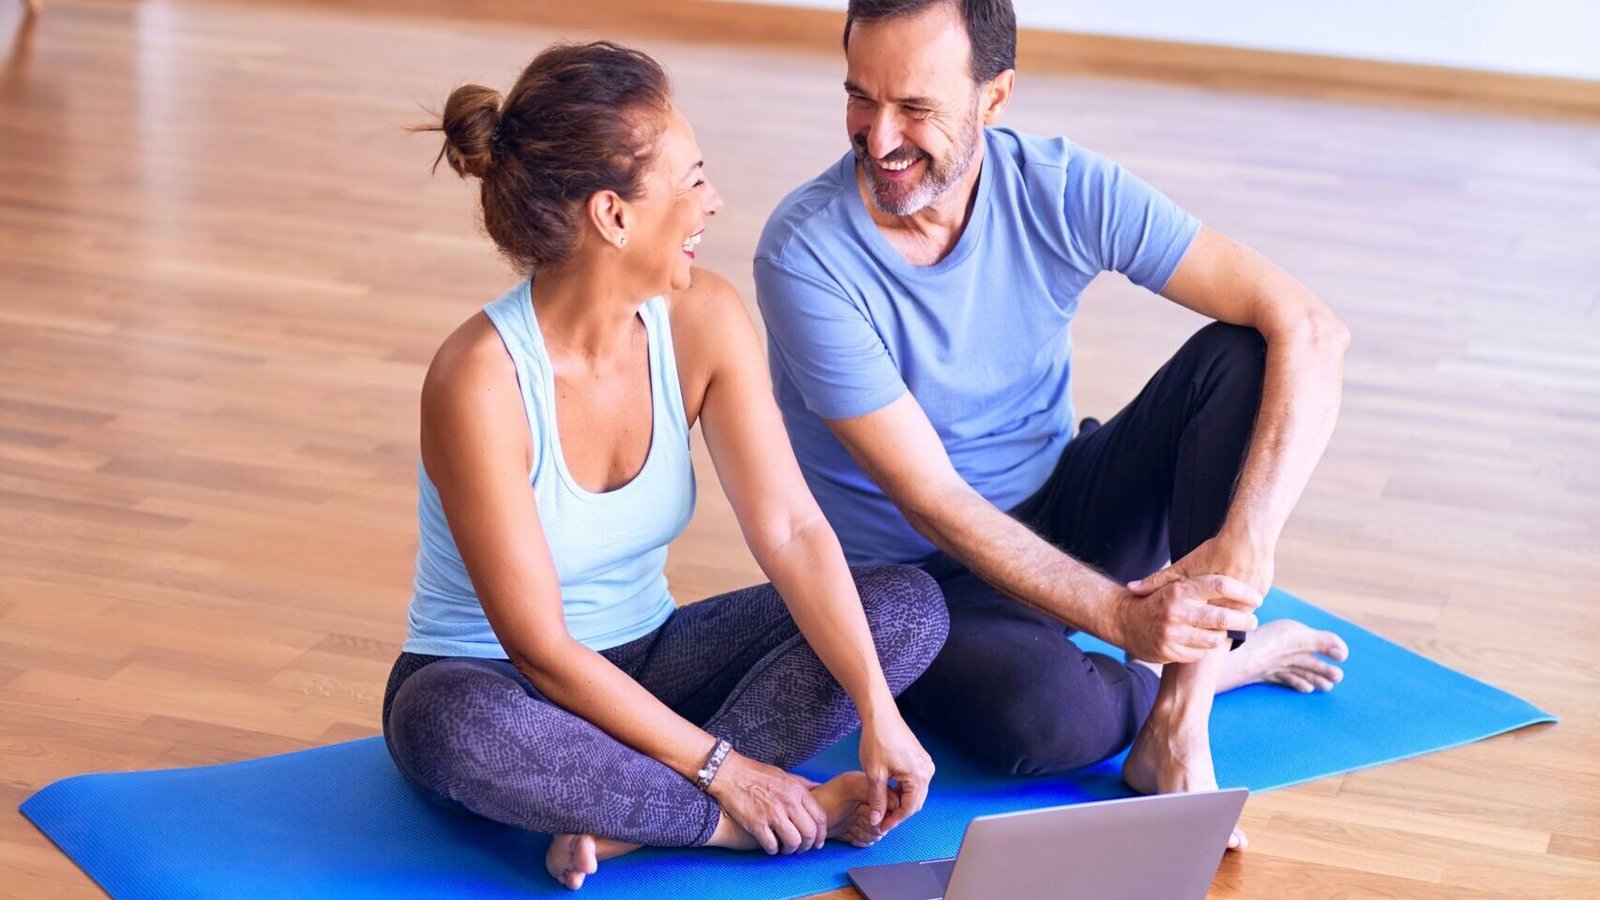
224,267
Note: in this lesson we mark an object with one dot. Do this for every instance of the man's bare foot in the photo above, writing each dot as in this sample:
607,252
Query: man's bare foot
1169,760
1286,652
1173,750
574,857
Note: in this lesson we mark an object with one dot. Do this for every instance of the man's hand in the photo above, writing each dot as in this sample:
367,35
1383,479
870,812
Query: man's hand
775,807
1224,554
1182,620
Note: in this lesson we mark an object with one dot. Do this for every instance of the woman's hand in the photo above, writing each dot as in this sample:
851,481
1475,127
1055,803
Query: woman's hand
890,751
776,808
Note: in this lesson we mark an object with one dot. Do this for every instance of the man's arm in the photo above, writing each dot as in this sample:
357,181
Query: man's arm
899,450
1306,344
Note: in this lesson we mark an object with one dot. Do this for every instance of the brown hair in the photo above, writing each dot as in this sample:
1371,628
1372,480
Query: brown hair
582,118
991,28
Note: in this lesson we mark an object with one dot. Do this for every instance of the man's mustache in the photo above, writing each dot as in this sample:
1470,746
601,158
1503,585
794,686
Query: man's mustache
902,154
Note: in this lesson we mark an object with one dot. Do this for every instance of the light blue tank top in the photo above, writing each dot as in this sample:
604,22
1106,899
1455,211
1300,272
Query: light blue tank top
609,548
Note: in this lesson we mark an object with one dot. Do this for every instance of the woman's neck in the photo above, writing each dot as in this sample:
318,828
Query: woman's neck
586,311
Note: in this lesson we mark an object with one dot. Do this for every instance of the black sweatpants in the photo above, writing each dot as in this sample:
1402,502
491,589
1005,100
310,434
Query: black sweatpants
1148,486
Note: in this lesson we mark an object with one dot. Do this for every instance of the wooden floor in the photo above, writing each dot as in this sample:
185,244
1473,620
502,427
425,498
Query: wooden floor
223,266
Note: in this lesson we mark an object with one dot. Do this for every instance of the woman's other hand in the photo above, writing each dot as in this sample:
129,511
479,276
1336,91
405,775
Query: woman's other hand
776,808
890,752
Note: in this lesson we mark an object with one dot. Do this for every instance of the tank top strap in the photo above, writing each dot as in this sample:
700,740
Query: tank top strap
667,398
512,317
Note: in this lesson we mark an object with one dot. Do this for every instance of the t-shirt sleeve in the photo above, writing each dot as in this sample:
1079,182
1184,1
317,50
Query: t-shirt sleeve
1118,223
825,344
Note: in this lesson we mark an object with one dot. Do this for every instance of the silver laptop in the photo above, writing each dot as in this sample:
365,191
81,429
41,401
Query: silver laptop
1164,845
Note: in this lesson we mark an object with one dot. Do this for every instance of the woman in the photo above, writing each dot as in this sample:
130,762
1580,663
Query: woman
547,680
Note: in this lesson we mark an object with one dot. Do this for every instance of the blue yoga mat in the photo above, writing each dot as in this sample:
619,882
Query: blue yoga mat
339,821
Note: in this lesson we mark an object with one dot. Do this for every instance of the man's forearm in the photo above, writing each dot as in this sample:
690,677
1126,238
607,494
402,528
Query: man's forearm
1299,405
1008,555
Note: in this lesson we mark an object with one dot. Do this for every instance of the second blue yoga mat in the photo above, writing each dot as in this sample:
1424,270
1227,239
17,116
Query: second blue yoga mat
339,822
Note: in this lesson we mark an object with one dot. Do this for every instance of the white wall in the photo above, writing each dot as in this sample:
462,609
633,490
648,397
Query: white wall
1540,37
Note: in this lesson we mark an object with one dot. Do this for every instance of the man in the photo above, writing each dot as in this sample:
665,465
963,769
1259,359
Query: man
918,297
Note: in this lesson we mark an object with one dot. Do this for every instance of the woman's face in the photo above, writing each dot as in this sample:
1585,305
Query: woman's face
671,216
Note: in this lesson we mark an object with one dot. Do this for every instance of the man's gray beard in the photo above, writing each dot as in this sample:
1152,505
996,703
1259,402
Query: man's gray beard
935,184
925,192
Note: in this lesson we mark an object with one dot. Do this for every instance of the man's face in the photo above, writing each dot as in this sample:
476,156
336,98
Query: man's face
912,113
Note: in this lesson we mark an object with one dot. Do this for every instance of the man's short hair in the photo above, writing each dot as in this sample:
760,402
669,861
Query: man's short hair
991,28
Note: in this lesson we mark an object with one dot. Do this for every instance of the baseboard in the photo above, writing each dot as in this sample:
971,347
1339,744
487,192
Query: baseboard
1308,74
1227,68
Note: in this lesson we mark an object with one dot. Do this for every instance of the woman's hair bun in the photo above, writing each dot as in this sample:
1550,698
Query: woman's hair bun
471,119
580,119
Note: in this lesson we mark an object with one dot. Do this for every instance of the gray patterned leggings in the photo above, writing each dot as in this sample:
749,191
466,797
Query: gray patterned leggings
476,734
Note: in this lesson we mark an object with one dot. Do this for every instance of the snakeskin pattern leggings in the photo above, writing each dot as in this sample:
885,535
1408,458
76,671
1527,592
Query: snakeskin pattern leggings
476,734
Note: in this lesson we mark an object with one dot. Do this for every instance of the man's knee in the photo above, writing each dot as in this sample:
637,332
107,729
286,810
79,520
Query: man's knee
1040,735
1035,741
1037,711
1236,346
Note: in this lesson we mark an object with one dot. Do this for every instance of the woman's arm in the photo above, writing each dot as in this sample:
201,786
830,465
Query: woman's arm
475,449
786,531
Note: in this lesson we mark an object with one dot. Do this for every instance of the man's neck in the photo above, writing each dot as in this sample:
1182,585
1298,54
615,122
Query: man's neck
928,235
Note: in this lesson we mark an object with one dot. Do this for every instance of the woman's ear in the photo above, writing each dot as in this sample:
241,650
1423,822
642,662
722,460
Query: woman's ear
611,217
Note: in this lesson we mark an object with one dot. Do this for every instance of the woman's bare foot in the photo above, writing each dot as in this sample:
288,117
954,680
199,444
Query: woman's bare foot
1168,760
845,799
574,857
848,802
1286,652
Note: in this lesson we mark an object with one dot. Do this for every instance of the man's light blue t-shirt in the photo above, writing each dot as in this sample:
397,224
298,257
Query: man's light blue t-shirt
981,338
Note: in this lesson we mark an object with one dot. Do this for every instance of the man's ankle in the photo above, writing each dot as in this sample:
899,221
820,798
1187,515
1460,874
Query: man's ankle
1181,710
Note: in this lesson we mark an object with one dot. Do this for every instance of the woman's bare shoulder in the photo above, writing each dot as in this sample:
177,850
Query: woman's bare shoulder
706,310
471,367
